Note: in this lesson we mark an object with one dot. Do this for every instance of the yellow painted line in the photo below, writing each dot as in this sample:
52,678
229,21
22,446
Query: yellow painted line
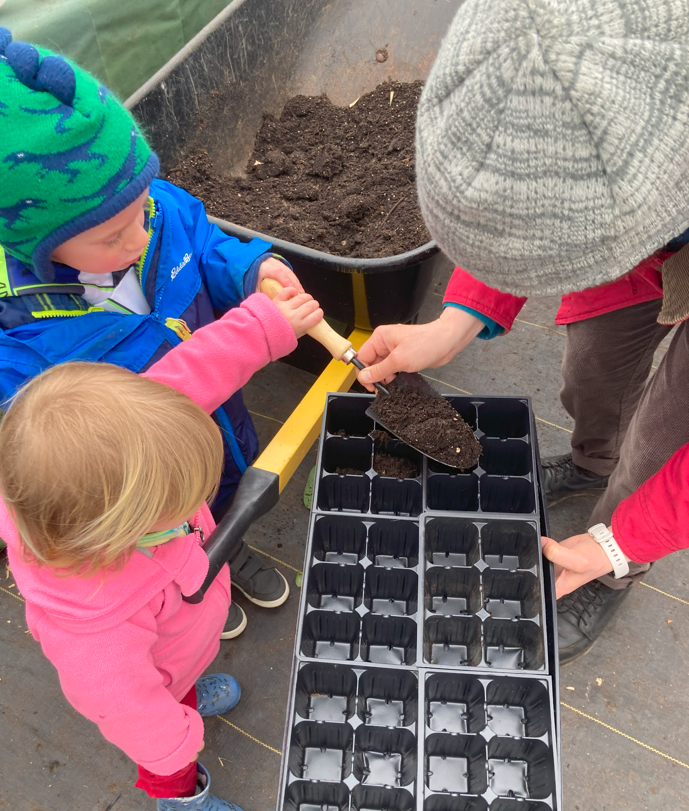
594,491
12,594
463,391
272,557
248,735
554,424
293,441
542,326
449,385
624,735
265,416
665,593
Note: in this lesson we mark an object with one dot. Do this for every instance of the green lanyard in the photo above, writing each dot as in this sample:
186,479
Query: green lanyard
165,535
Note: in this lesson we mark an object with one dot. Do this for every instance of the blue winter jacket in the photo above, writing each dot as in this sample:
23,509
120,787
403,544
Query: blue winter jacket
190,270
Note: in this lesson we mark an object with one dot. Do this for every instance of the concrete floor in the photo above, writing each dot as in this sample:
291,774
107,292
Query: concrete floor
625,706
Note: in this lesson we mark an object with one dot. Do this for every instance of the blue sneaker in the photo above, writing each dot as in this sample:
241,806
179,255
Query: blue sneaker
203,801
217,693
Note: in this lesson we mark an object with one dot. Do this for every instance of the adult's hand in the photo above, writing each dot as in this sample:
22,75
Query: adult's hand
410,347
577,560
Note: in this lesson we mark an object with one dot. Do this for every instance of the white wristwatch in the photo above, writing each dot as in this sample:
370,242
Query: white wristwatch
602,535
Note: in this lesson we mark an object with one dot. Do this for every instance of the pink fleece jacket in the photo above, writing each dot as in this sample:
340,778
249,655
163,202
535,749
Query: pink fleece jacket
127,647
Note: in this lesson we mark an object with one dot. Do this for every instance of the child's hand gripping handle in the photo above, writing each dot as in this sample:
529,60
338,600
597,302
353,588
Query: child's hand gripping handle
340,348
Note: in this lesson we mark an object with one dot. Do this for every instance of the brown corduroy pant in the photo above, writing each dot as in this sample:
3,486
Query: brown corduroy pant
626,424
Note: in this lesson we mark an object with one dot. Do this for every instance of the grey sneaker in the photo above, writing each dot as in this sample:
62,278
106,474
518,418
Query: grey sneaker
235,623
562,476
256,579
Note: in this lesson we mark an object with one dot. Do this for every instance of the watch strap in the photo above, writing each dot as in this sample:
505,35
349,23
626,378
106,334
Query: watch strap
603,536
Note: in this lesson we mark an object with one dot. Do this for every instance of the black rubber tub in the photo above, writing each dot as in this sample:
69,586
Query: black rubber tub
254,56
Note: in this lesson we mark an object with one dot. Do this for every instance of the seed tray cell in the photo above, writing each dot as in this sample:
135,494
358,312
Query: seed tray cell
425,676
452,641
335,588
391,591
450,542
345,416
510,545
393,544
513,645
455,704
520,768
388,640
307,796
321,751
341,540
330,635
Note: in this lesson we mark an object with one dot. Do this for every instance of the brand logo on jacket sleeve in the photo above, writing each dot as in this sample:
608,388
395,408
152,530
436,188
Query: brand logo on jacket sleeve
185,261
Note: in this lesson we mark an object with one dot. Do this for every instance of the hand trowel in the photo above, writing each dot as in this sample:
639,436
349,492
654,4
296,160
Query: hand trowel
338,346
416,413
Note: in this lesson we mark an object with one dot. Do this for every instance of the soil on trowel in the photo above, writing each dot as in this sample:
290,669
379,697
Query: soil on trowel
429,424
349,471
398,468
337,179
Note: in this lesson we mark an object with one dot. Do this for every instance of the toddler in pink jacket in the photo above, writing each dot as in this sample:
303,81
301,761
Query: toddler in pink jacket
105,480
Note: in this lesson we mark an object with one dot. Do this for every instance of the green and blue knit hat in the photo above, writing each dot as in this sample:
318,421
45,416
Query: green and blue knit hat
71,156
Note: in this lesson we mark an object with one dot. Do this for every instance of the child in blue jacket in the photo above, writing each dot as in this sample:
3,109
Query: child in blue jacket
100,261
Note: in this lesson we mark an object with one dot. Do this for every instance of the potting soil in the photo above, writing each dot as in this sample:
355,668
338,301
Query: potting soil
395,467
337,179
380,437
429,424
349,471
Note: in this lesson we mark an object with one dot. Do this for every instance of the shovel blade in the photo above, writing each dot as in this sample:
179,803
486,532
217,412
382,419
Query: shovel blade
409,380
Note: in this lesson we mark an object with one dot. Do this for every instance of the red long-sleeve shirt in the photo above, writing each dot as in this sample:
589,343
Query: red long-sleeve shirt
643,283
654,521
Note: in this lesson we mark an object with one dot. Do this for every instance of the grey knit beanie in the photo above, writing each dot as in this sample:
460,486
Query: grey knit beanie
552,139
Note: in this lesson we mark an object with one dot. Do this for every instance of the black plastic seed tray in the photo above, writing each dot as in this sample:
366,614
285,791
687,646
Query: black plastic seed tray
425,672
365,738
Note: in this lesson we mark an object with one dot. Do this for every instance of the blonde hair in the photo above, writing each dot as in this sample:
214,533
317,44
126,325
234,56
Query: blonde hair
93,455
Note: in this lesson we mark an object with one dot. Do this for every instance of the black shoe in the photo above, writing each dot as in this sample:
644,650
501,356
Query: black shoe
582,616
257,580
561,475
236,622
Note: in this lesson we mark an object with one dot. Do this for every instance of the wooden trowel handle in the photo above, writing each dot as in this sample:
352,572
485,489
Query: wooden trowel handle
322,332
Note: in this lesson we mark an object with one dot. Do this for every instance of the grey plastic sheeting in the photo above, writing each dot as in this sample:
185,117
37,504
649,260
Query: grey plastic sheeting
123,42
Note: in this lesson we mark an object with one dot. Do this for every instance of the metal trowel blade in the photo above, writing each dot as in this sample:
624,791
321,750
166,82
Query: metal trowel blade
411,380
